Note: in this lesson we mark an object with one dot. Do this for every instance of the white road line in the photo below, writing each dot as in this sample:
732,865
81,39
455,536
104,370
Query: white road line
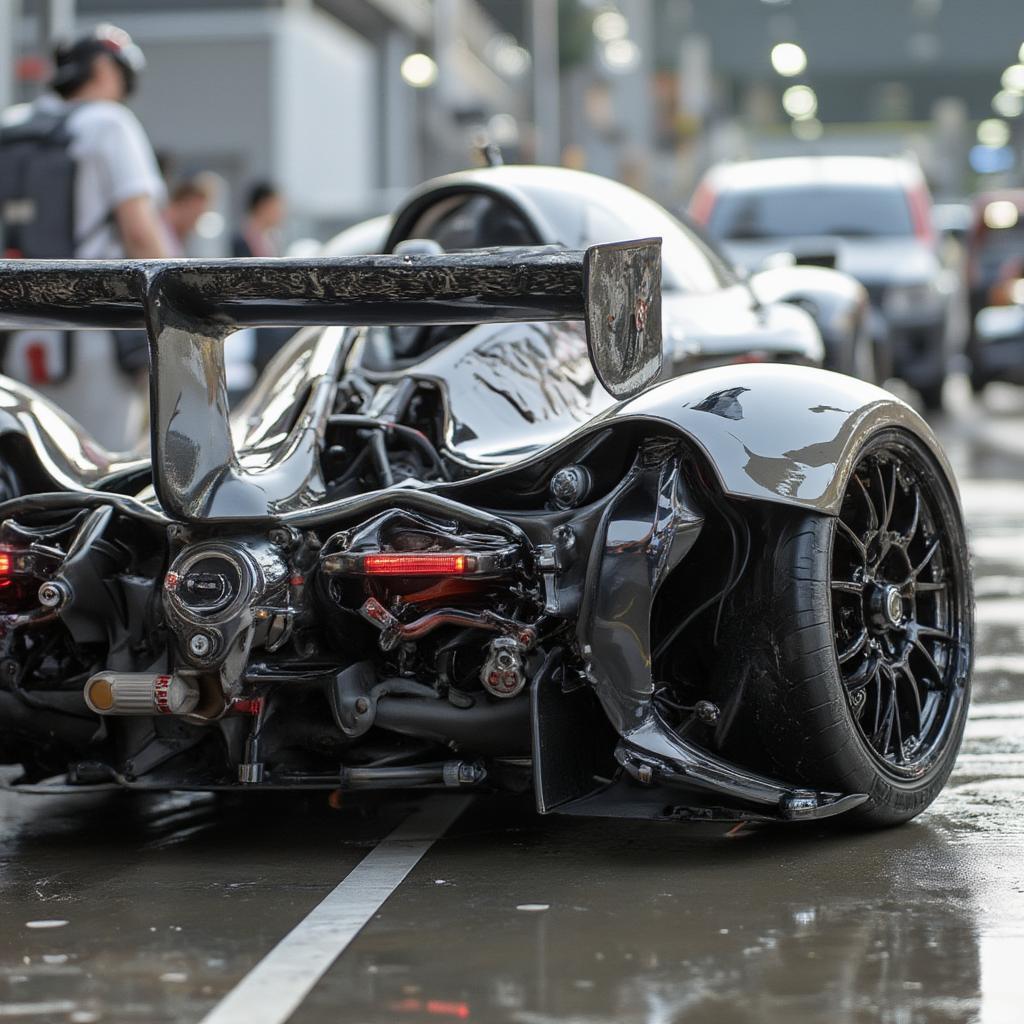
272,991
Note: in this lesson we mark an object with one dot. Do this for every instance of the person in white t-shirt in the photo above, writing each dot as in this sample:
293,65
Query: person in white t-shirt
117,199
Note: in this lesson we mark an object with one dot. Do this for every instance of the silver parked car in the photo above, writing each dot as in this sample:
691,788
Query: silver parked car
868,216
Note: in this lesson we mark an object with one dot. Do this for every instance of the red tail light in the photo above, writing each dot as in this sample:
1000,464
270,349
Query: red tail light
19,586
702,203
920,202
417,563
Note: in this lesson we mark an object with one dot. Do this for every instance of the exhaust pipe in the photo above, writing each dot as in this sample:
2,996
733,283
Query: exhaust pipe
136,693
484,728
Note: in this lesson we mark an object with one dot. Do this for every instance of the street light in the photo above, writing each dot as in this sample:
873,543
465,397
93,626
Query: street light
508,57
788,59
808,130
1008,104
1013,78
610,25
1000,215
800,102
993,132
621,54
419,70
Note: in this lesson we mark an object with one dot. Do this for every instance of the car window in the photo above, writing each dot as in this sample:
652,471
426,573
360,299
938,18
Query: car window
685,264
608,212
851,211
473,221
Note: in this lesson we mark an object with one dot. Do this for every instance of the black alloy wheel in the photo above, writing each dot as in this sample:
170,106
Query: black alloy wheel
898,618
865,622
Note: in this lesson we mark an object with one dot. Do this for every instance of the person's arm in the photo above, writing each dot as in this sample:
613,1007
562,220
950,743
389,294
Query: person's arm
138,224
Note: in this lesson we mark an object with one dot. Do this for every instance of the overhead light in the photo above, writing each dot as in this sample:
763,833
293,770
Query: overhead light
788,59
1013,78
1008,104
508,57
419,70
1001,214
621,54
503,129
993,132
610,25
808,129
800,102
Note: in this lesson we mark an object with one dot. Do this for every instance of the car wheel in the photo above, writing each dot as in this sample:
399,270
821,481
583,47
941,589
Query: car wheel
931,394
870,631
863,360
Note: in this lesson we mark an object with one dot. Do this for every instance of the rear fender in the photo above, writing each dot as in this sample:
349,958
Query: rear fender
783,434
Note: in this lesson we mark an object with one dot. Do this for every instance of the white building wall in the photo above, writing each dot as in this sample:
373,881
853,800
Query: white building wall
324,114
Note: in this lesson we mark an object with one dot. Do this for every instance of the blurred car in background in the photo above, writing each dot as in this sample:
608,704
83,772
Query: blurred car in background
712,314
867,216
953,220
994,265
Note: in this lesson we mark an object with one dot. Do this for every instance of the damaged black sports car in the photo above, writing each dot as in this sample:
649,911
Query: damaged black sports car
468,531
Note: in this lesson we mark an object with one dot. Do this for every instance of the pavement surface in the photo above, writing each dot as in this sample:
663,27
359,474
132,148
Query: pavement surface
256,911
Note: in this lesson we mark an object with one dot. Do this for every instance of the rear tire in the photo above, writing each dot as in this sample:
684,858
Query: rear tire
868,641
863,357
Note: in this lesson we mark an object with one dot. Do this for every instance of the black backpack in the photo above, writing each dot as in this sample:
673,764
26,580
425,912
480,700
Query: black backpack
37,188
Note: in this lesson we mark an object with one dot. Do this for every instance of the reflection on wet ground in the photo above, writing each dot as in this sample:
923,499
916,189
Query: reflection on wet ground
151,909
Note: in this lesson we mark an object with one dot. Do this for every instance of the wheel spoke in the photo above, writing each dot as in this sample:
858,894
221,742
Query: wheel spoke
938,634
906,538
872,511
890,499
926,654
848,587
929,555
876,470
915,692
883,735
858,644
862,678
929,587
898,748
853,539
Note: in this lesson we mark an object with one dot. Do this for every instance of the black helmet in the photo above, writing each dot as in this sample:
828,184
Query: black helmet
74,60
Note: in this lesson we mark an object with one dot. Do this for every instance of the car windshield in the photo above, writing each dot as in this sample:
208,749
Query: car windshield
816,210
606,212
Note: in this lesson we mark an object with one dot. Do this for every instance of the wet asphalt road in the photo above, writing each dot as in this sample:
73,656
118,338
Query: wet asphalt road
152,909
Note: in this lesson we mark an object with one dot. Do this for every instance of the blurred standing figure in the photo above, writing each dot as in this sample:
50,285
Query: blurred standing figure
258,237
190,199
264,216
78,179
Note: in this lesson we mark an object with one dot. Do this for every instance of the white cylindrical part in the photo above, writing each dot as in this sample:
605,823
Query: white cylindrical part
136,693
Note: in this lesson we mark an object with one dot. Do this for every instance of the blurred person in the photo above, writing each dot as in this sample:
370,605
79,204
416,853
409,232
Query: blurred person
265,213
78,179
189,200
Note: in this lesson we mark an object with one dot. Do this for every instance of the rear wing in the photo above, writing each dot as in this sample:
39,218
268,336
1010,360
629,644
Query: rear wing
188,308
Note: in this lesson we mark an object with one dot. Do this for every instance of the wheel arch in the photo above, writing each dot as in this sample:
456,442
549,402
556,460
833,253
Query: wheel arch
787,435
